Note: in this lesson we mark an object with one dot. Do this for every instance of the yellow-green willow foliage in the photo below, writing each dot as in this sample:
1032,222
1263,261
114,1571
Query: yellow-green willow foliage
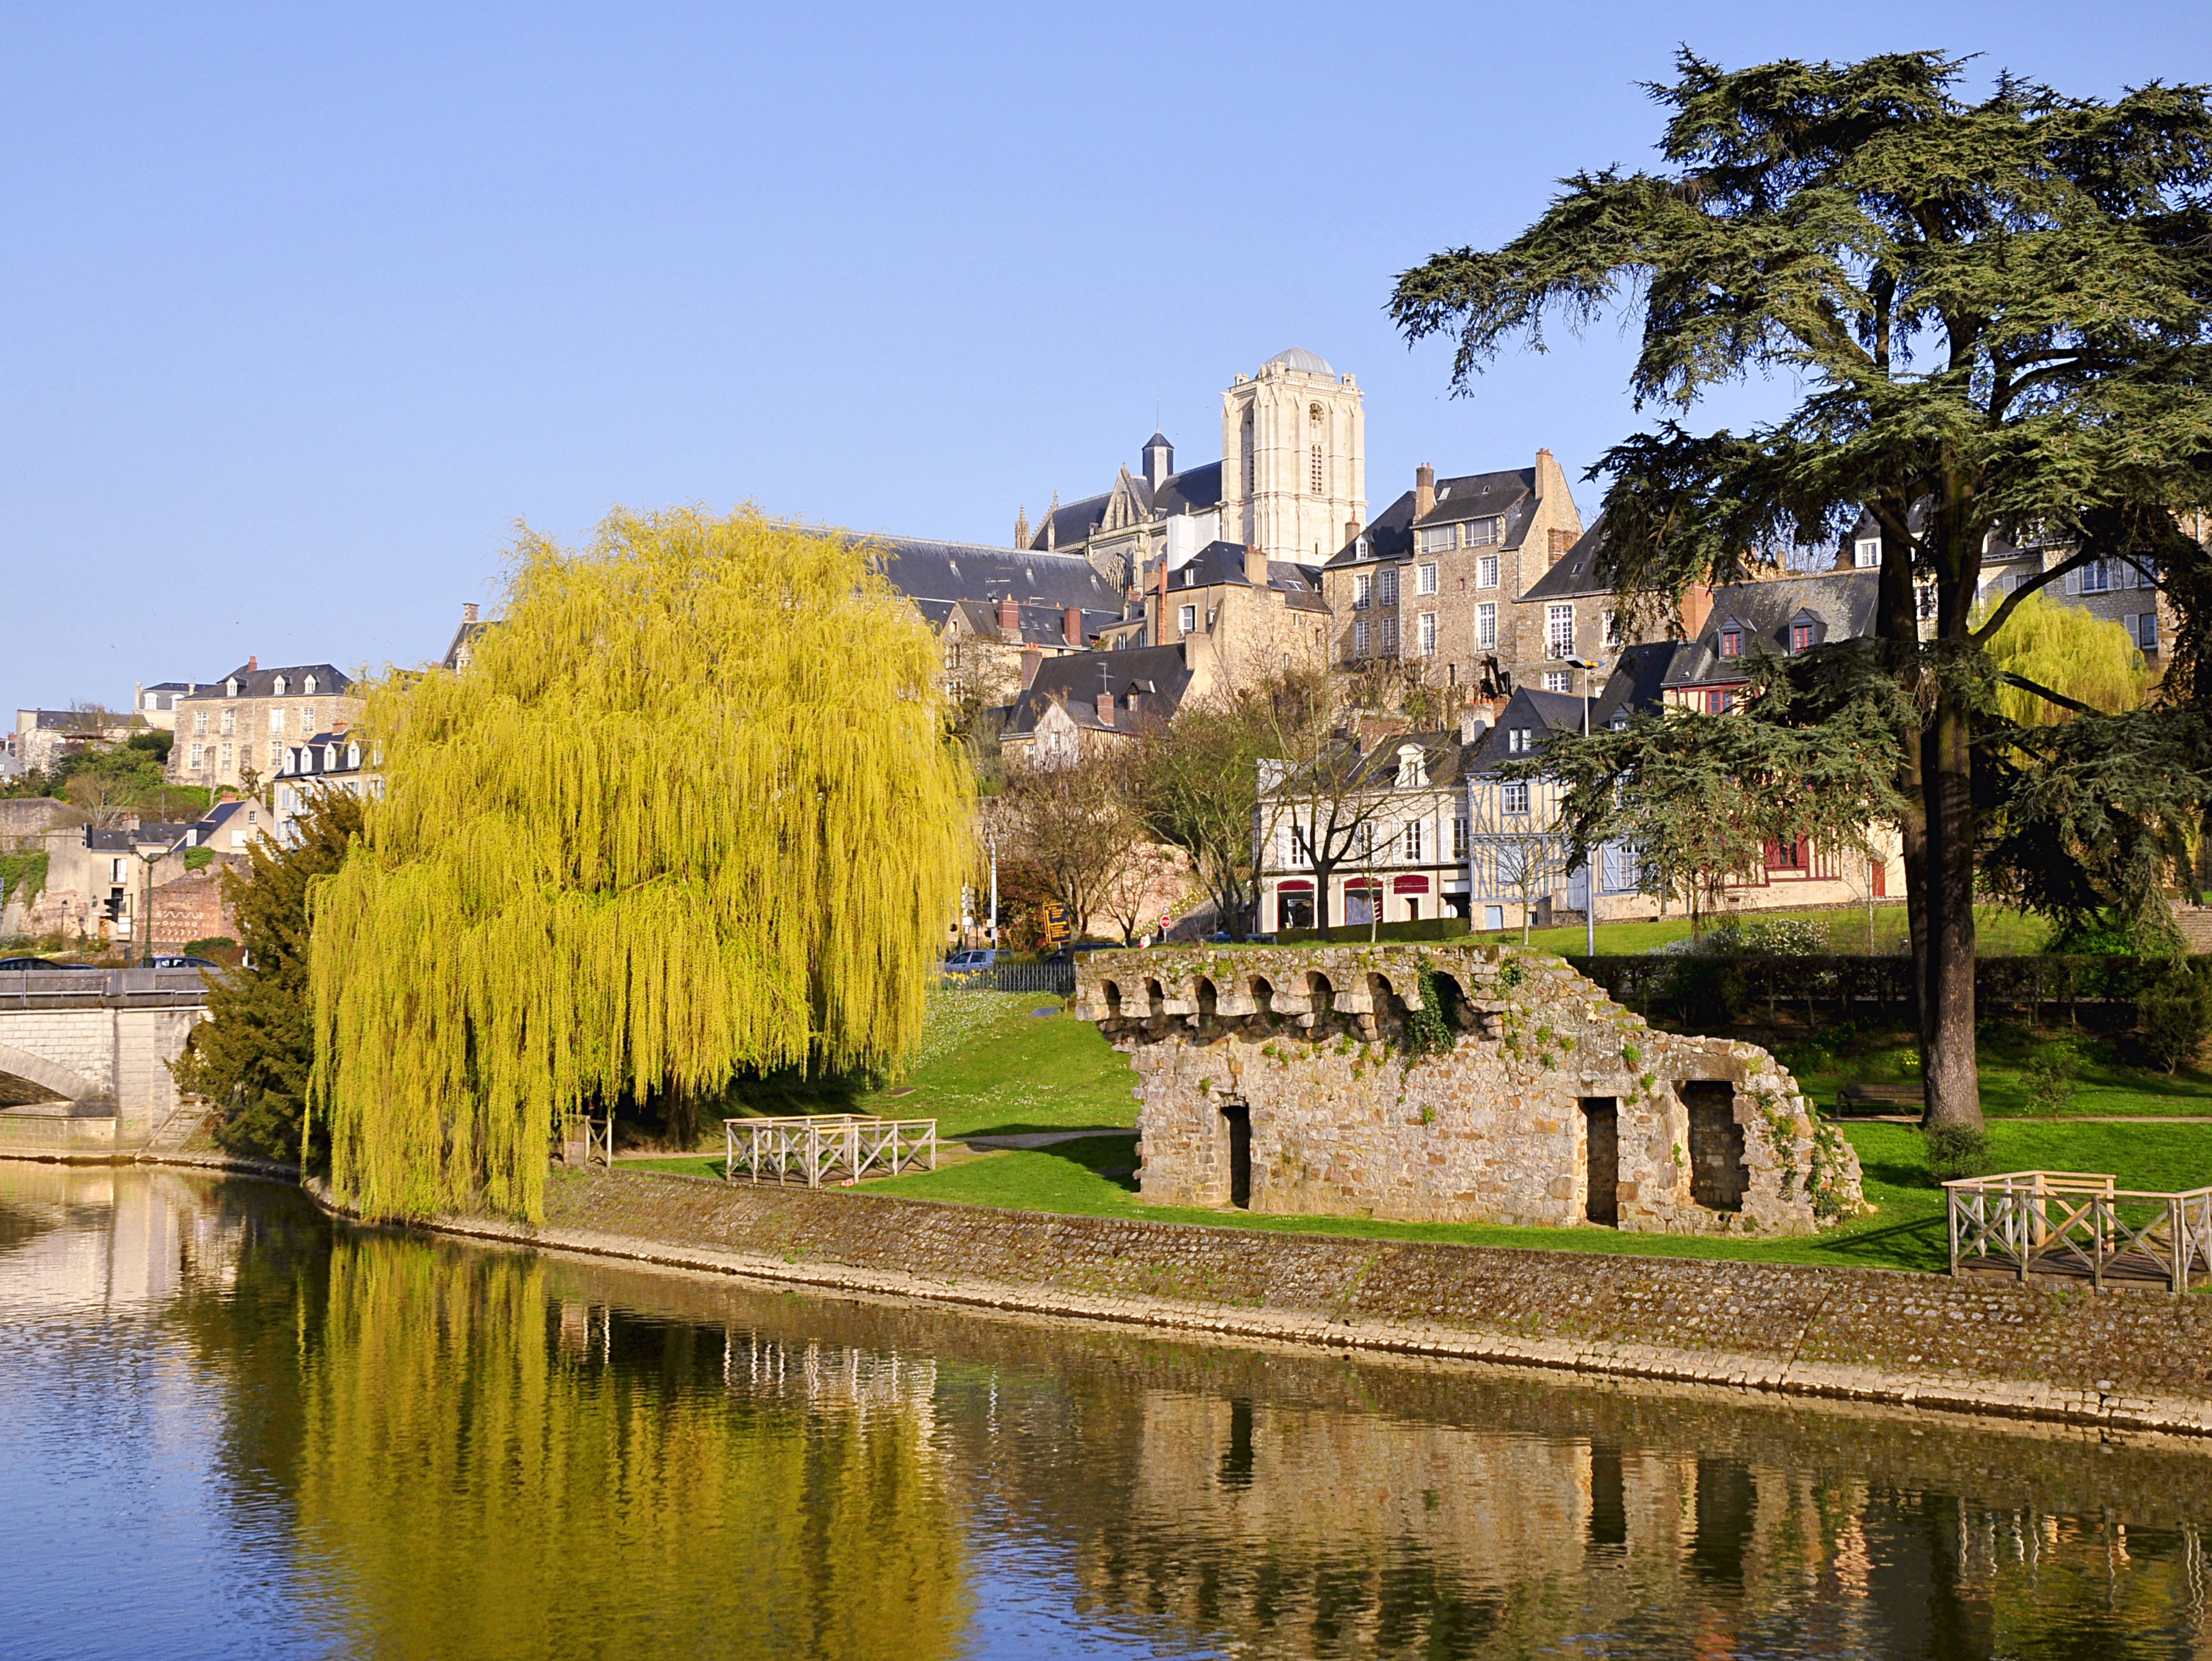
689,810
477,1479
2075,654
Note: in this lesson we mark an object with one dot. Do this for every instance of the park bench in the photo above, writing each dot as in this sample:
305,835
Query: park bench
1881,1098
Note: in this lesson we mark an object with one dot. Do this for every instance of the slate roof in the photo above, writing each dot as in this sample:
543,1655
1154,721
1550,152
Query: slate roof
1574,574
1158,674
462,636
1444,756
1639,679
1510,495
1037,625
1194,489
1840,603
262,683
1545,712
950,571
1222,564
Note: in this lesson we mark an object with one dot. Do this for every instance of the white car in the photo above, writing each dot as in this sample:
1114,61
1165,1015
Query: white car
973,962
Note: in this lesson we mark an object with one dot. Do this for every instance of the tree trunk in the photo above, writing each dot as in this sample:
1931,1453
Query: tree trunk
1948,1059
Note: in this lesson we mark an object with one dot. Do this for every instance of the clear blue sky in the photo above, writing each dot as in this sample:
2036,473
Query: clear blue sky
302,311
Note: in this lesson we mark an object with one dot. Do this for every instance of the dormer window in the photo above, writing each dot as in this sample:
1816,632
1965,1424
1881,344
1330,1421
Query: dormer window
1866,552
230,687
1731,641
353,757
310,687
1519,740
1413,768
1801,636
281,684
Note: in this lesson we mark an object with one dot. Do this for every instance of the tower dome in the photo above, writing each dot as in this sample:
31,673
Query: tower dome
1299,358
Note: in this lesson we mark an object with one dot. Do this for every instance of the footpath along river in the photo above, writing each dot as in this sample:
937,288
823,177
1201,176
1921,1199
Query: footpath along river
234,1426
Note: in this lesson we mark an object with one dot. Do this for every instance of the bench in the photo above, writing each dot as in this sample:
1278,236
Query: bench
1881,1098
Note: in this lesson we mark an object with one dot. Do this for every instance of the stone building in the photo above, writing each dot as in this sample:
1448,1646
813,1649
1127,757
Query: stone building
246,722
328,762
1452,1084
1438,576
1291,481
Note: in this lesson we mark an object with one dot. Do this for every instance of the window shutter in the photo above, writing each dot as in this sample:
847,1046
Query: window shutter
2073,581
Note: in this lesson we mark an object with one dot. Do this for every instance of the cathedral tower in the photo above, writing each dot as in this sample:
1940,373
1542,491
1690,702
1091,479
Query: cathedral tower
1293,459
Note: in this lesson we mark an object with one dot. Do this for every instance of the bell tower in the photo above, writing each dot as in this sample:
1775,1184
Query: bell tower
1294,458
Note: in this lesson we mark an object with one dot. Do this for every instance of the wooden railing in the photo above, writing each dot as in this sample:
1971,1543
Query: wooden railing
2079,1226
584,1142
817,1147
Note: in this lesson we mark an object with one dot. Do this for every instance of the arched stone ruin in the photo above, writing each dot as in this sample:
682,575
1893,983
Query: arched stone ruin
1452,1083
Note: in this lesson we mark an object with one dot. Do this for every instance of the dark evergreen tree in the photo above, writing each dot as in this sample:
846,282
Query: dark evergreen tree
252,1055
2002,314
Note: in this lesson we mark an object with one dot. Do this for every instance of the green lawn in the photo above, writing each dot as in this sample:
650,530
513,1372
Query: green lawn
990,1061
2002,932
2108,1084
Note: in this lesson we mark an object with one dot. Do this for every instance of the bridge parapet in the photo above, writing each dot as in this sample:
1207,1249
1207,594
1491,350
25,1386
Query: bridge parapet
110,989
85,1054
1451,1083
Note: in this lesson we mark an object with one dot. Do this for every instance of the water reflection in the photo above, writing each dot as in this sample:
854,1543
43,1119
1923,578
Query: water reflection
393,1447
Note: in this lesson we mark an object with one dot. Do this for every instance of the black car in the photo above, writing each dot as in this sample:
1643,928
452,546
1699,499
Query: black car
41,962
184,963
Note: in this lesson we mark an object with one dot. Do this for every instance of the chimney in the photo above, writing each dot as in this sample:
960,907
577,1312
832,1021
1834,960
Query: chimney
1071,626
252,664
1425,490
1255,565
1563,541
1351,532
1031,659
1697,608
1104,704
468,610
1010,617
1473,724
338,726
1160,616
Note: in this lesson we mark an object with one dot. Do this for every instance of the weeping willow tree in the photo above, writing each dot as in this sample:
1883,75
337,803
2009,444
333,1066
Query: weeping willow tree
689,811
2085,659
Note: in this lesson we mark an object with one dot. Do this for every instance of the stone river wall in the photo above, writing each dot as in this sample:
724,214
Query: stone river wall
2134,1360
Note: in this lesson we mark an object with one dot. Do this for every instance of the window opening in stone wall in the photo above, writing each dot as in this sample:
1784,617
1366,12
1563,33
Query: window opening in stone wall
1209,1000
1727,1505
1485,625
1316,470
1390,586
1717,1173
1608,1511
1236,1459
1485,571
1602,1135
1263,994
1156,1002
1238,1116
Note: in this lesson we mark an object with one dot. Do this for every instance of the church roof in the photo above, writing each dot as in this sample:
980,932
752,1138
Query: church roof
1192,491
1158,440
943,571
1297,357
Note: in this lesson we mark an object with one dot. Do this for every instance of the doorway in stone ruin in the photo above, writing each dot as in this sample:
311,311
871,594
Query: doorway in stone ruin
1602,1134
1239,1116
1717,1174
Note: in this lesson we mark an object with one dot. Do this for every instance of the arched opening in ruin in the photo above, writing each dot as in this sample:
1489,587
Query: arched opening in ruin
1112,994
1718,1178
1263,996
1601,1147
1319,992
1383,997
1209,1000
1237,1117
1451,1003
1156,1001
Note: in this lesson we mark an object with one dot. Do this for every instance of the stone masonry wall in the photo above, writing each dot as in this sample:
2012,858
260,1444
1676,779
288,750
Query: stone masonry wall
1448,1084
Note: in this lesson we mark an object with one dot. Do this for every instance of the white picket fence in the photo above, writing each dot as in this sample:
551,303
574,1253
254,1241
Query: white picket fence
819,1147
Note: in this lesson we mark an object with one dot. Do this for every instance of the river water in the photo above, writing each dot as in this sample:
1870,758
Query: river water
229,1427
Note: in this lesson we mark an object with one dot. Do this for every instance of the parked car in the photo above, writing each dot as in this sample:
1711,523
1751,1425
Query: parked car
184,963
973,961
43,962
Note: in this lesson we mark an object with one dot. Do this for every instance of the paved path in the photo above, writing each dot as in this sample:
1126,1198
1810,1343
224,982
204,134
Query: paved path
1044,1138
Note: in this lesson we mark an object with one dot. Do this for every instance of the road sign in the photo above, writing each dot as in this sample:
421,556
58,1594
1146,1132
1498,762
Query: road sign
1056,923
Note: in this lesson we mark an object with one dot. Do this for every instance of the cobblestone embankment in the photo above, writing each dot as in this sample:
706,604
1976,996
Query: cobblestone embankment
2135,1360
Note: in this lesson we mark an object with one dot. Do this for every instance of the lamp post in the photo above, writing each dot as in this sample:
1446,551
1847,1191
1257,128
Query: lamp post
1588,666
149,849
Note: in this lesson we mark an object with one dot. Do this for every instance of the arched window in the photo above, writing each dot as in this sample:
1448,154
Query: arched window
1317,489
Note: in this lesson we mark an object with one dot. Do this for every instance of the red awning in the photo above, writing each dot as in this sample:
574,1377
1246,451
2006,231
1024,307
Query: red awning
1361,885
1409,885
1295,885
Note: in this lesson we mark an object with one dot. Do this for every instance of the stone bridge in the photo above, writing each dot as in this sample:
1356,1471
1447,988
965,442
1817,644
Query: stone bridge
1452,1083
84,1057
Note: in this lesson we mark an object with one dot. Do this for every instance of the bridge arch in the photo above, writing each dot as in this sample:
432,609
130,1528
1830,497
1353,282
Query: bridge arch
26,1078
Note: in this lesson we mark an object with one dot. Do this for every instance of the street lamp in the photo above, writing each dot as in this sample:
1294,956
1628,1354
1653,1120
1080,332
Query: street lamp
149,849
1588,666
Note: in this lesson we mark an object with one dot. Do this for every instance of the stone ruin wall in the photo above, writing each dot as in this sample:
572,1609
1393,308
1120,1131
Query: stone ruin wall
1359,1105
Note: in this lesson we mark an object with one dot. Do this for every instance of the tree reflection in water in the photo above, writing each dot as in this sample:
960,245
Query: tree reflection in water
479,1452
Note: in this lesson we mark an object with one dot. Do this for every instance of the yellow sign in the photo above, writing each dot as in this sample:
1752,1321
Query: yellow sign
1056,923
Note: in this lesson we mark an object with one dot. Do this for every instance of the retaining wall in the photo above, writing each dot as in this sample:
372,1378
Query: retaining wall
2134,1360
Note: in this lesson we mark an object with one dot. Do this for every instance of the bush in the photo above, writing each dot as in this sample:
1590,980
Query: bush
1954,1151
199,859
2174,1013
1770,937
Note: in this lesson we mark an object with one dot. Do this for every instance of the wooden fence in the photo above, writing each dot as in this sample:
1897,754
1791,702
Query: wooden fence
2079,1226
818,1147
1058,978
588,1142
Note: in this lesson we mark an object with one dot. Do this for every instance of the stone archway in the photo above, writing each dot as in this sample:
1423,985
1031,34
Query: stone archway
25,1078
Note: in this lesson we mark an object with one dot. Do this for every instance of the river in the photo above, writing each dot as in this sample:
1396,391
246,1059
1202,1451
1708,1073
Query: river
233,1427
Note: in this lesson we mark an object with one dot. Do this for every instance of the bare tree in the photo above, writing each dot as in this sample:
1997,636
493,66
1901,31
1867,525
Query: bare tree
1316,788
1068,834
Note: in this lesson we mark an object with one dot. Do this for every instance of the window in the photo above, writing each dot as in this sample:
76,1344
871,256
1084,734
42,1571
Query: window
1513,798
1459,839
1612,630
1389,585
1927,598
1559,680
1186,619
1301,852
198,757
281,684
1716,702
310,688
119,874
1485,625
199,722
1414,836
2143,631
1485,533
275,756
1428,633
1866,551
1485,571
1360,645
276,720
1389,637
1559,631
1801,636
2096,577
1425,579
1363,590
1731,642
1317,489
229,722
308,719
1519,740
1439,538
226,758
